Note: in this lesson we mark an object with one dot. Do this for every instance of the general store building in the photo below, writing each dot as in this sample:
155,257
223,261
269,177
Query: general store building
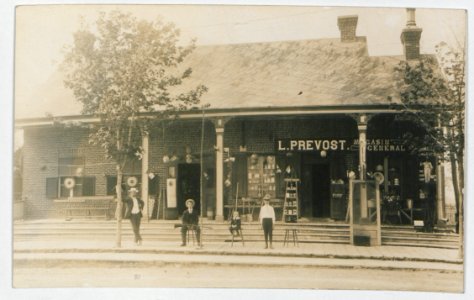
314,110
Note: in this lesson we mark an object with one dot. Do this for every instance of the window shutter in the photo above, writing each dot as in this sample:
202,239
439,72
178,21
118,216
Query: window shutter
88,186
153,186
52,188
111,183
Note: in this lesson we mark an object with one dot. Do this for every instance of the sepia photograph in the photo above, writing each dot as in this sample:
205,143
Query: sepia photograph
252,148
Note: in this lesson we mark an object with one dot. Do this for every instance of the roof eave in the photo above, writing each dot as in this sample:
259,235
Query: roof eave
227,112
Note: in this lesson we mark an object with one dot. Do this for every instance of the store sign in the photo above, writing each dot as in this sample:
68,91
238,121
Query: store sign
381,145
308,145
311,144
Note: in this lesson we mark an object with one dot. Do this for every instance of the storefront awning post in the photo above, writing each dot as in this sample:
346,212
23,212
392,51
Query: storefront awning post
219,125
362,127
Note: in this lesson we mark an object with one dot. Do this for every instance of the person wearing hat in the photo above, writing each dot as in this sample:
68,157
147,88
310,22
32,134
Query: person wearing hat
190,221
134,207
267,218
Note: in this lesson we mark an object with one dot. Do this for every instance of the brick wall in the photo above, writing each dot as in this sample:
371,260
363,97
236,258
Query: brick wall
347,26
43,146
410,38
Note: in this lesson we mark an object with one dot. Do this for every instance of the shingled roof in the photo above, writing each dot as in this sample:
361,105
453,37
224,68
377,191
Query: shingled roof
292,73
273,74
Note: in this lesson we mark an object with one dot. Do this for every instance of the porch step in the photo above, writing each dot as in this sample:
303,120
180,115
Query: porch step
407,236
165,231
321,232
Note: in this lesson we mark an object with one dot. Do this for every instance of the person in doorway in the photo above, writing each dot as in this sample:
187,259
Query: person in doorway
427,167
267,219
430,208
190,221
134,210
235,223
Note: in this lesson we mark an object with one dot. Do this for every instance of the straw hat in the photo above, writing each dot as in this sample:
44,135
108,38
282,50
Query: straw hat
189,200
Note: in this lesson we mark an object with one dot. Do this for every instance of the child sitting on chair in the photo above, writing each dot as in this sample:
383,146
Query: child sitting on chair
235,223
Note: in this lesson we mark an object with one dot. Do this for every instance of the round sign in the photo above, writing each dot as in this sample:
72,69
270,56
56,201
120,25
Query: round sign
69,183
379,177
132,181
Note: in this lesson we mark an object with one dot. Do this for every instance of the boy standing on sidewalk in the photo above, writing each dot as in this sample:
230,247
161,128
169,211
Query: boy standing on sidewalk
267,218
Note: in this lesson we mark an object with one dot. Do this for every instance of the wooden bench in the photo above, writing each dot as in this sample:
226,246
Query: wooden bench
84,206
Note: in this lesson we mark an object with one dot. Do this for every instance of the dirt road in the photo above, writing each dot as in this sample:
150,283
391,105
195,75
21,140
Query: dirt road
181,275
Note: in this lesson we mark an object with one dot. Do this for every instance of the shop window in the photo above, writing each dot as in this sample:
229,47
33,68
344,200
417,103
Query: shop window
261,175
84,186
56,187
71,166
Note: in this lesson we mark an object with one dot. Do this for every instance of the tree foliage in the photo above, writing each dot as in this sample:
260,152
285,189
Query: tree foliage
125,67
128,73
432,94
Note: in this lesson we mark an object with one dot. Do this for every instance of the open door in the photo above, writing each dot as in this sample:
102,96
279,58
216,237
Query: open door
188,186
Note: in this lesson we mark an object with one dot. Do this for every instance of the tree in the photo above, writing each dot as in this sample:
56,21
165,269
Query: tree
433,97
121,71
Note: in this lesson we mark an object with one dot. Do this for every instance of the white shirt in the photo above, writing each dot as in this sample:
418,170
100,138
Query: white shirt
135,208
267,211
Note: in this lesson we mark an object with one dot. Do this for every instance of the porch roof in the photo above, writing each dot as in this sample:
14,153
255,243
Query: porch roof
245,112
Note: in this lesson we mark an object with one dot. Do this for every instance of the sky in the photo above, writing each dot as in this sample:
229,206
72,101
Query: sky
43,31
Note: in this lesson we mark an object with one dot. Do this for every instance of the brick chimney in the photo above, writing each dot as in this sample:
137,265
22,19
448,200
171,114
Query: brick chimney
410,37
347,25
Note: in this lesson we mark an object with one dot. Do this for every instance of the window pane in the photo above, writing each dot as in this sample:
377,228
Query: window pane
77,189
68,166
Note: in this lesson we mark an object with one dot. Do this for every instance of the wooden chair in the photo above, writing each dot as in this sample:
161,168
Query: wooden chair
239,232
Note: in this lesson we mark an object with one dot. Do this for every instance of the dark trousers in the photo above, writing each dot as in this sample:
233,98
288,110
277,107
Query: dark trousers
135,220
234,230
185,229
267,224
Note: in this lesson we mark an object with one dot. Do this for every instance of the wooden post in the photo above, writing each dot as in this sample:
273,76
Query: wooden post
144,187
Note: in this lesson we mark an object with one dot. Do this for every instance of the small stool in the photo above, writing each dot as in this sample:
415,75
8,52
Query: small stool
294,232
239,232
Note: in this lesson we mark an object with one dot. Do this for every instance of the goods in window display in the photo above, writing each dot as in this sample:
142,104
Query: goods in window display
261,176
290,206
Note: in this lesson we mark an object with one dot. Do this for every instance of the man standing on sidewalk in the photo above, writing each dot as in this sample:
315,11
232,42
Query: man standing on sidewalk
267,218
190,222
135,206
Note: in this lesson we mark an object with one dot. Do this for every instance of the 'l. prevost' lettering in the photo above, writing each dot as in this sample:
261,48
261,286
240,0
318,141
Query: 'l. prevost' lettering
310,145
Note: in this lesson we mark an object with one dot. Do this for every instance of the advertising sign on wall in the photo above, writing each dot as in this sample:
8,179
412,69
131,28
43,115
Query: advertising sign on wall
171,193
317,144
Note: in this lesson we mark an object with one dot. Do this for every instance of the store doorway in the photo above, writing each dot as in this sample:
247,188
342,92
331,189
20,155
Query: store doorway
320,190
188,185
